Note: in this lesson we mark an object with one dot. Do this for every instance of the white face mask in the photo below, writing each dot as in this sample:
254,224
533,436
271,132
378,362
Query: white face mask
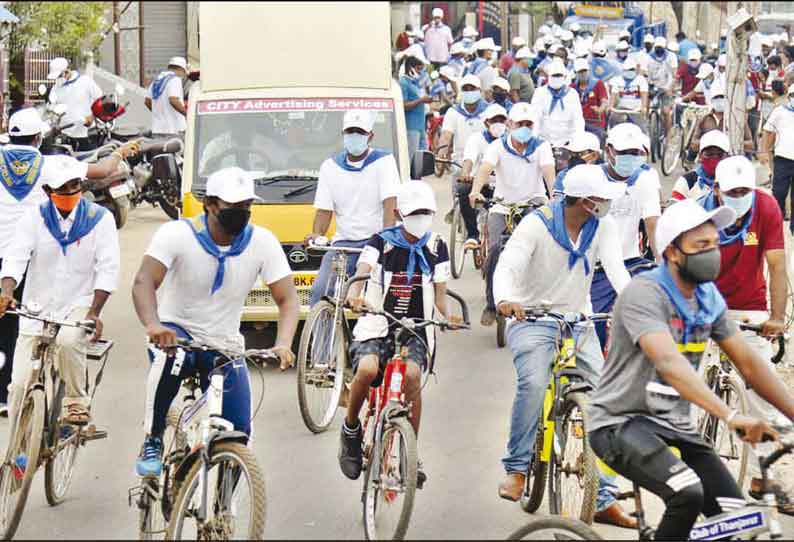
417,225
556,81
497,129
718,104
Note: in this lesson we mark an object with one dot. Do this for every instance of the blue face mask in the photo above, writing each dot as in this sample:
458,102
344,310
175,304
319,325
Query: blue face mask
626,164
356,144
471,96
522,134
740,205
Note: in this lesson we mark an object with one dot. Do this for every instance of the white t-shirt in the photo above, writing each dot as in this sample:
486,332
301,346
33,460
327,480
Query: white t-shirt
629,96
558,126
77,96
184,297
781,123
462,128
356,197
518,179
166,119
476,146
641,201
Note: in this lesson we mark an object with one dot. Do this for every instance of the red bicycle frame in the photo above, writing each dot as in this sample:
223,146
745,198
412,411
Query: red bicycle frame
390,389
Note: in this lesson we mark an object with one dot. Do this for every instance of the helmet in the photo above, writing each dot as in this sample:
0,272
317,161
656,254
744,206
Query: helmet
107,108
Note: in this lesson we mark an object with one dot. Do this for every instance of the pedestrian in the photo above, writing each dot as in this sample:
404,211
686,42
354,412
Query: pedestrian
508,59
77,92
777,139
593,97
165,99
403,39
481,67
414,102
520,78
438,38
685,45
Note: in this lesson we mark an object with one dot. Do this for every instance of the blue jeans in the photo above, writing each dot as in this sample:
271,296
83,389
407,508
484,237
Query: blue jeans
326,277
414,141
534,345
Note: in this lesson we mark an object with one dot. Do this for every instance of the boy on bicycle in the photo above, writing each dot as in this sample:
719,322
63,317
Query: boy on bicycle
409,268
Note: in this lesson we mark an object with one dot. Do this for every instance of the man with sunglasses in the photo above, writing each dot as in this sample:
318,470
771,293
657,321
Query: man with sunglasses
583,148
714,147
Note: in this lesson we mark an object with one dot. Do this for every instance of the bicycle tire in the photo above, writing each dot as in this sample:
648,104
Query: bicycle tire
585,461
501,326
409,467
655,129
571,529
536,476
147,515
31,422
58,481
307,380
457,255
671,154
245,458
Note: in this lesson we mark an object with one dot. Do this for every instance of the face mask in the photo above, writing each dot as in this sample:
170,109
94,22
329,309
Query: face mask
471,96
623,55
583,77
626,164
499,97
694,64
497,129
417,225
701,267
233,220
522,134
659,52
556,81
355,144
541,54
710,165
648,47
718,104
628,75
66,202
740,205
600,209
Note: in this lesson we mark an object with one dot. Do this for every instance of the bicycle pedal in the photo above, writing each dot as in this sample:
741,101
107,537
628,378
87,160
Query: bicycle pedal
92,433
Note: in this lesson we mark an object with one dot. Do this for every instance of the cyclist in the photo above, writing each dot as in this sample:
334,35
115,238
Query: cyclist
714,147
357,187
481,66
500,92
593,97
715,120
629,91
559,110
641,406
524,168
687,73
409,268
192,284
70,249
520,78
602,68
701,93
583,148
560,243
464,119
753,242
662,64
495,127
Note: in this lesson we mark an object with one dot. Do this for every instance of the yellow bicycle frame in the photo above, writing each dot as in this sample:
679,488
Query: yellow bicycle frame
566,359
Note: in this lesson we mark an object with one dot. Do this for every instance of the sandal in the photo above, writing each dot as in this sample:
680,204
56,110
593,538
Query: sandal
77,415
784,503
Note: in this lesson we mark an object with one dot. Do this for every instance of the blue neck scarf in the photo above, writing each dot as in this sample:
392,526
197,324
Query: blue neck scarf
786,106
731,234
395,236
200,229
584,95
482,105
20,168
71,81
159,84
477,65
532,146
557,98
710,303
627,84
488,137
631,181
87,215
553,217
374,154
704,180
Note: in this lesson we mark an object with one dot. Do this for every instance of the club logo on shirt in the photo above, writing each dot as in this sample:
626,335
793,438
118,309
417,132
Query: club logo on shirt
19,167
751,240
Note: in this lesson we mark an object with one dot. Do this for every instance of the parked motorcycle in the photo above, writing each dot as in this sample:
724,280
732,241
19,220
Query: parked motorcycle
157,175
113,192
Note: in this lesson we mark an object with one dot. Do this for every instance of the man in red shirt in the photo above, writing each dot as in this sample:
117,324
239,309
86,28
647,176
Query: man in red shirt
687,73
593,97
508,59
756,239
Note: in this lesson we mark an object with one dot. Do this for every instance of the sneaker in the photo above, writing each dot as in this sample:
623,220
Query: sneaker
150,464
421,477
471,244
350,456
488,317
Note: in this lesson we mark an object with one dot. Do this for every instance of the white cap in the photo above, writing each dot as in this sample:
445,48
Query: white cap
415,195
457,48
57,65
524,52
447,71
648,38
566,35
470,79
694,54
722,60
622,45
625,136
580,64
735,172
501,82
705,70
589,180
715,138
575,27
624,34
674,47
178,61
687,215
583,141
26,122
59,169
486,44
438,12
599,48
555,67
358,118
523,111
544,29
548,40
232,185
554,48
629,64
660,41
494,110
518,41
418,52
470,32
717,89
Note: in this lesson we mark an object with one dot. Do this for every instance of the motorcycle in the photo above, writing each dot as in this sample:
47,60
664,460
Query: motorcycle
157,175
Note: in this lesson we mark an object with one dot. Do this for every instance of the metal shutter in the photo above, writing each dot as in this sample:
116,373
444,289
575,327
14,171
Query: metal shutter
165,35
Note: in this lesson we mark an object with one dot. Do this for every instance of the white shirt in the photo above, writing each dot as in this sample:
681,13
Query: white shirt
77,96
487,76
629,97
184,297
781,123
61,283
356,197
518,179
476,146
641,201
437,42
558,126
166,119
532,247
462,128
660,72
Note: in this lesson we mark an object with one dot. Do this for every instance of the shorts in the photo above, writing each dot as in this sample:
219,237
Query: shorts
383,347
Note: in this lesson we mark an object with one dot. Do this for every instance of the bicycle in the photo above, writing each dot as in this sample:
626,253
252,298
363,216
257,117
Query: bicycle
656,130
37,434
678,140
562,455
322,353
630,115
203,454
457,227
389,444
746,523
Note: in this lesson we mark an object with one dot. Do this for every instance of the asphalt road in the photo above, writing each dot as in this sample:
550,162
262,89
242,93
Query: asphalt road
464,431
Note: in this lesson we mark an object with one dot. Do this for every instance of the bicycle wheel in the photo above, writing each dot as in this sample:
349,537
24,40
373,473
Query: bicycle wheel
236,503
457,234
390,486
536,476
671,153
22,459
573,484
655,133
65,443
554,529
501,326
321,365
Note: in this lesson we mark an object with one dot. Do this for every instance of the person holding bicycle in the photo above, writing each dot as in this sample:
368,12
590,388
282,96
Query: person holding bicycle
629,92
714,147
662,65
409,268
660,327
192,284
753,242
70,249
560,243
524,168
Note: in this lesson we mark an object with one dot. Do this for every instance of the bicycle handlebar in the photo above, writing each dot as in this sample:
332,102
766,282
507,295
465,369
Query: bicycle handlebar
448,162
625,111
89,326
417,323
781,340
253,354
331,248
533,312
